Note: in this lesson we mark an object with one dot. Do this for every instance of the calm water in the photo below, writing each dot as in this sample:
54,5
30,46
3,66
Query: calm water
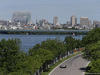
28,41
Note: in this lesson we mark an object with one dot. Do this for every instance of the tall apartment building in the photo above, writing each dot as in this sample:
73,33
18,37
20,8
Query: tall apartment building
55,20
84,21
22,17
73,20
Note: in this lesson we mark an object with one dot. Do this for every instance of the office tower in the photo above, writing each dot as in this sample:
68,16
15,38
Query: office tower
73,20
84,21
37,23
96,23
55,20
22,17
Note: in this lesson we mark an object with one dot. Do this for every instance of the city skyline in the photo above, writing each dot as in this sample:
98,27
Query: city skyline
40,9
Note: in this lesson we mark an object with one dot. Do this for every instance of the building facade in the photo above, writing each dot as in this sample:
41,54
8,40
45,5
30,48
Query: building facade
96,24
73,20
84,21
4,22
22,17
55,20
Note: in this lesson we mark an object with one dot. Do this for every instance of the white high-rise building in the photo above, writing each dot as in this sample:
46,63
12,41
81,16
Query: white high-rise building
55,20
73,20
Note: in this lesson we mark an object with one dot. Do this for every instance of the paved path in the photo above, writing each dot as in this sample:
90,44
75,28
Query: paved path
75,66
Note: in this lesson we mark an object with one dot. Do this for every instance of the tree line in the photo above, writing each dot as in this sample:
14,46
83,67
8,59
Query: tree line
13,61
92,50
41,32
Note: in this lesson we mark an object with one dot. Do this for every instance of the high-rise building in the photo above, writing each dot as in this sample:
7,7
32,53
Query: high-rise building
96,23
84,21
21,17
73,20
55,20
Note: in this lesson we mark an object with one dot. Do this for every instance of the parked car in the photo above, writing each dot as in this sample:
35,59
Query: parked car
63,66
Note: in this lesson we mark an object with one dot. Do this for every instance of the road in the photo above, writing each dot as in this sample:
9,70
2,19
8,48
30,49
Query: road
75,66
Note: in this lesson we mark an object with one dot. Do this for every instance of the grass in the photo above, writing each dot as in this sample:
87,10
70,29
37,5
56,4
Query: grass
88,68
56,64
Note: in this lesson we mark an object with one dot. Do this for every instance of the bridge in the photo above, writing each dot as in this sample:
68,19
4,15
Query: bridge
44,31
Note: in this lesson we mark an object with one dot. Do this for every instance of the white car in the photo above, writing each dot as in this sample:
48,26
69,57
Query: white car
63,66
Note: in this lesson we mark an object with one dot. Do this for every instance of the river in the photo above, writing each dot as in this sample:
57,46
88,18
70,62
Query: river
28,41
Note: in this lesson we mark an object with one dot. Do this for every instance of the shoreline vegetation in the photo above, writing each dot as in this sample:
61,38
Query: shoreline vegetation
46,32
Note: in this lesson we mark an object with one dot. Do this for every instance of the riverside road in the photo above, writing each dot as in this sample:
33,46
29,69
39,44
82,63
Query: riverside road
75,66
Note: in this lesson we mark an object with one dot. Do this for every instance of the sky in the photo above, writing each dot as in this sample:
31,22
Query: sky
47,9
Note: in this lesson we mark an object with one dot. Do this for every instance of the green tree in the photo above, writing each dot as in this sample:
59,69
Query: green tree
44,55
92,51
37,46
31,64
70,43
47,50
95,68
10,54
55,46
92,37
78,43
19,72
